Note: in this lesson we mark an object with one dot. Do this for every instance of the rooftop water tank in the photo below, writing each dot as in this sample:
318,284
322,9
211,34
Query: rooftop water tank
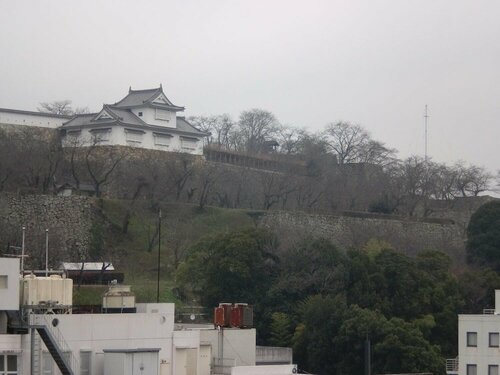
51,291
118,299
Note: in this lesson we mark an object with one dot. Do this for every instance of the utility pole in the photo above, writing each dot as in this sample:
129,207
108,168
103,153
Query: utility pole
368,356
159,247
22,252
46,252
426,116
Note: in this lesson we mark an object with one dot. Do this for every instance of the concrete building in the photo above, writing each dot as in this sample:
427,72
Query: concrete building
143,118
478,343
36,340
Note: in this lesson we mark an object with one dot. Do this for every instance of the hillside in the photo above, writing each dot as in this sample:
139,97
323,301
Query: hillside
125,232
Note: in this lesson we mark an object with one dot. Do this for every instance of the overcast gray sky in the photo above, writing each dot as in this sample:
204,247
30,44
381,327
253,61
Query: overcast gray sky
373,62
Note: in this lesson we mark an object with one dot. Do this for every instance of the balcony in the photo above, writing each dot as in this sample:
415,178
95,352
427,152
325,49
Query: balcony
452,366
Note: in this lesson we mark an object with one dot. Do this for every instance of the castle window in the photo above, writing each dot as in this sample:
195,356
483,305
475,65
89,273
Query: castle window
101,135
493,370
140,114
162,141
133,137
161,114
189,143
74,134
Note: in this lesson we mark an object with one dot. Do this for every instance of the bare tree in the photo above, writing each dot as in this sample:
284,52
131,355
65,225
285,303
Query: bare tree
180,170
219,127
288,139
346,140
205,124
276,187
376,152
352,144
471,180
255,127
8,155
207,175
41,155
101,162
61,107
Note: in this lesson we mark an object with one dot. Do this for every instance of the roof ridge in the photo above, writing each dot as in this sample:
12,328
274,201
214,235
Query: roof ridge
143,90
130,92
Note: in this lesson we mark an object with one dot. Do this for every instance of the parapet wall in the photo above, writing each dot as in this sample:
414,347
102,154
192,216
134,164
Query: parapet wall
355,230
68,219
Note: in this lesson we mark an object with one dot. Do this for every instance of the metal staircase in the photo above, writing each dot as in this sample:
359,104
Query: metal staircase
54,350
53,340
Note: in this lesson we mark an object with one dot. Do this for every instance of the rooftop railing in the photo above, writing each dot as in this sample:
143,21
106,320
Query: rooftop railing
452,366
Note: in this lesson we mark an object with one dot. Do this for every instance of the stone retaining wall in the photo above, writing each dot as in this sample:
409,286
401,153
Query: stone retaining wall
350,230
68,219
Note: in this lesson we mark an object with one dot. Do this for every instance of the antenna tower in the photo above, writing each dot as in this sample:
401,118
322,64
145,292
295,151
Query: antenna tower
426,116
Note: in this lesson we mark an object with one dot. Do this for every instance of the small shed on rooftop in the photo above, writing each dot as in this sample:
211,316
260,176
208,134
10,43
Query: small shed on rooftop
93,273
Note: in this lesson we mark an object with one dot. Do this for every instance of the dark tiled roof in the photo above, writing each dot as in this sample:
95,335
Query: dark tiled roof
80,120
185,126
125,115
137,97
141,97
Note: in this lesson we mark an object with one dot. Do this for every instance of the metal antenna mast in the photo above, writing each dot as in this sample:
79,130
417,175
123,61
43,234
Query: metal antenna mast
426,116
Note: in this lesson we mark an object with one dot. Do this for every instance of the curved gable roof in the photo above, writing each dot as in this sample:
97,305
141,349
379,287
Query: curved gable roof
141,97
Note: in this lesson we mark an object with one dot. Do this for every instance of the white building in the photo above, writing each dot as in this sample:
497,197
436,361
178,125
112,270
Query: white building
143,343
143,118
29,118
478,343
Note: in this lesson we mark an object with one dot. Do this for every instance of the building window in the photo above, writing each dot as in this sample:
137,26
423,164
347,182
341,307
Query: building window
162,141
85,362
494,340
189,143
3,282
472,339
101,135
72,136
8,364
161,114
471,370
133,137
74,133
140,114
492,369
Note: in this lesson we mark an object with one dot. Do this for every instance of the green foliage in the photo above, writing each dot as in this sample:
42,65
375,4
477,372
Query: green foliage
403,348
228,267
324,302
89,294
281,330
311,267
96,248
321,318
478,290
483,236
